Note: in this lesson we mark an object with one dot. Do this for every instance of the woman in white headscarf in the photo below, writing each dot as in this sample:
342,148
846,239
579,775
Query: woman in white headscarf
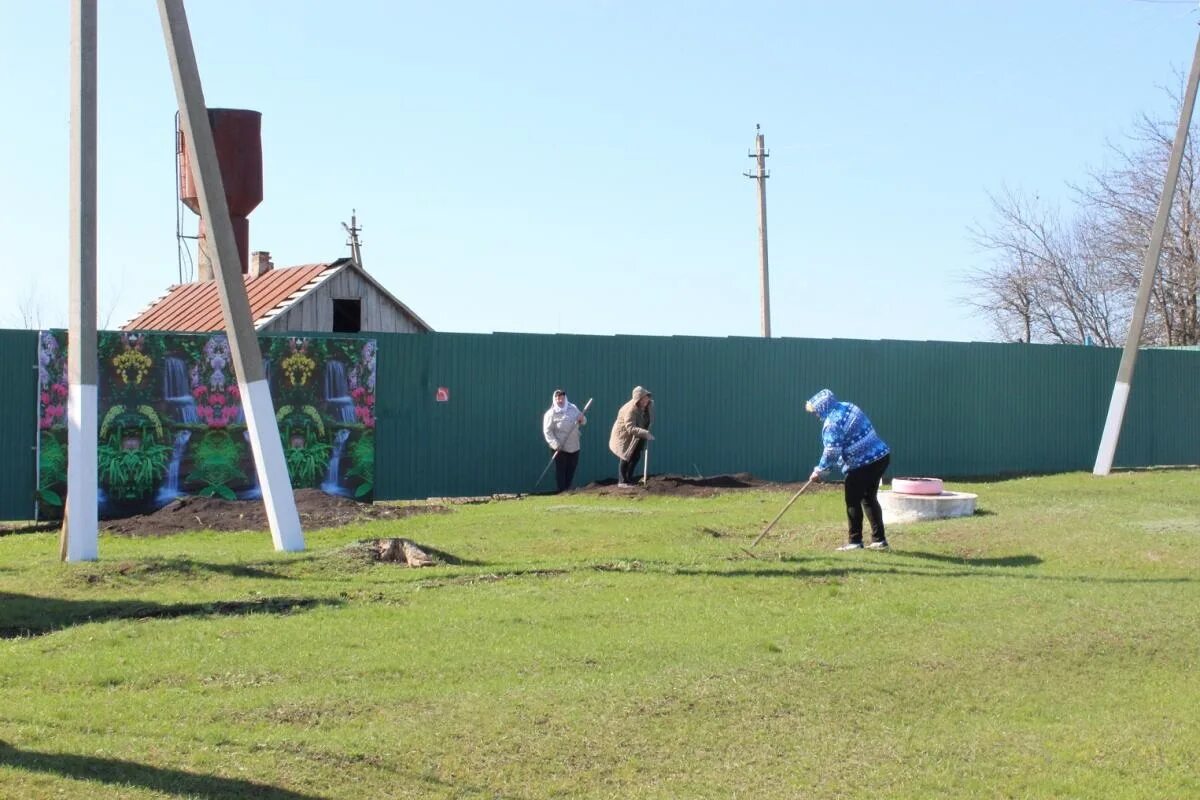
560,427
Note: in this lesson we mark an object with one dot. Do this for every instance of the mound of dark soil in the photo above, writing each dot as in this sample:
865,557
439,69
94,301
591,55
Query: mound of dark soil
317,510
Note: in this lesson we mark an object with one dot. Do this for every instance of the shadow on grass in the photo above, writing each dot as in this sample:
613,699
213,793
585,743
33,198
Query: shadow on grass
882,568
157,779
183,567
964,561
29,527
28,615
444,558
233,570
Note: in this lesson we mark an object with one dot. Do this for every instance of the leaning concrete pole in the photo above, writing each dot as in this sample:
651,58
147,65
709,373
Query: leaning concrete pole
1120,395
243,344
79,531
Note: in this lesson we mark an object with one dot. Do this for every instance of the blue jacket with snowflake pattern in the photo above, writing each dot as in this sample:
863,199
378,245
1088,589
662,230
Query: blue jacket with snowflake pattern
848,437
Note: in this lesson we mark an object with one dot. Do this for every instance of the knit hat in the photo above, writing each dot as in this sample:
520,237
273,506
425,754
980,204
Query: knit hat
821,403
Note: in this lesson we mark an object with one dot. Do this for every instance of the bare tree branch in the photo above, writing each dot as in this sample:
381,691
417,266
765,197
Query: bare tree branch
29,310
1074,279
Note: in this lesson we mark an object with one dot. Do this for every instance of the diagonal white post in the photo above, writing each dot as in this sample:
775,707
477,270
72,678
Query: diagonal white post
1120,395
235,307
79,531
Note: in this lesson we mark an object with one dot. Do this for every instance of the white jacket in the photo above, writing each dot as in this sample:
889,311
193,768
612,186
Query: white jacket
560,426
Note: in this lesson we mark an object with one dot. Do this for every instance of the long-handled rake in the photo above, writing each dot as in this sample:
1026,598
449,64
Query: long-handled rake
778,517
546,469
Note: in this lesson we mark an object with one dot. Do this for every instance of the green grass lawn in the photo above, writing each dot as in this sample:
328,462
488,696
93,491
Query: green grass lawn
624,647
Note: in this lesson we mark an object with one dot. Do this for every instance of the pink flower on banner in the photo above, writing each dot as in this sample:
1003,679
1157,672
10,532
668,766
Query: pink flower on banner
53,413
364,402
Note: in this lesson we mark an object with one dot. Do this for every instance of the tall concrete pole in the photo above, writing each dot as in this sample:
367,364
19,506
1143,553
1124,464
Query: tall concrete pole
235,307
1120,395
760,155
79,532
352,231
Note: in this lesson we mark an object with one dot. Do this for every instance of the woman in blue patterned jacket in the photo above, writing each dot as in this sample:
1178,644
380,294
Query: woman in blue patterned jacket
850,441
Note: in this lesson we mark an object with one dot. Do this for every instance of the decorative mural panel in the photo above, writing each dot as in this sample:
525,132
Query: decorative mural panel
171,421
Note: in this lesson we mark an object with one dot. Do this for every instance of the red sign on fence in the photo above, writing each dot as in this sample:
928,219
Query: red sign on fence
443,394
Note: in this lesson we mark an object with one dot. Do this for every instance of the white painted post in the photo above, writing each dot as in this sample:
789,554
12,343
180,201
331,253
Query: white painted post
80,536
235,306
1116,406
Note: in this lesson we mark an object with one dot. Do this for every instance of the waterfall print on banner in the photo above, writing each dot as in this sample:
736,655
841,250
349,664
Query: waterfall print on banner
324,392
172,424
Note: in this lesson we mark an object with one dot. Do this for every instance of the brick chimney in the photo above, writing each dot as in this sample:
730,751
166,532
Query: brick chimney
260,263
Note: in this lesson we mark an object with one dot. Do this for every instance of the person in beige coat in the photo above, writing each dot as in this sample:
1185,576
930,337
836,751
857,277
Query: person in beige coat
630,433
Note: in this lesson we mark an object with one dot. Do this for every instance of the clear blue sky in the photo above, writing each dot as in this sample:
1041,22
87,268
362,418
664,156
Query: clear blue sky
576,165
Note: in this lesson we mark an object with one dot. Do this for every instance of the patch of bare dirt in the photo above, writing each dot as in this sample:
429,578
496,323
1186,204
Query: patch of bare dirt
317,510
693,486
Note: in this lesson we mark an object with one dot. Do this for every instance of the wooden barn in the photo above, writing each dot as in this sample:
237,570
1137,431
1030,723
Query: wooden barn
338,297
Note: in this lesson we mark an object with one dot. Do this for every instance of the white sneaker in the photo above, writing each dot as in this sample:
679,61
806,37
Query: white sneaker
624,485
851,546
878,546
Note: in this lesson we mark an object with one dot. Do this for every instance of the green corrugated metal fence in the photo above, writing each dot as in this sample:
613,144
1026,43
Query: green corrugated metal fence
722,405
729,405
18,423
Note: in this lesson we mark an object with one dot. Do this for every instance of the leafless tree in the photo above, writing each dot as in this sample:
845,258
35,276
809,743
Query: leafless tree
1047,283
30,313
1074,279
29,310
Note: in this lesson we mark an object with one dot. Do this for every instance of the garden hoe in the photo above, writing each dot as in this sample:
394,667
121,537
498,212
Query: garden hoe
546,469
778,516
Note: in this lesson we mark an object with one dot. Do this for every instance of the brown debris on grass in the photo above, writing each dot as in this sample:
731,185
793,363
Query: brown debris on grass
402,550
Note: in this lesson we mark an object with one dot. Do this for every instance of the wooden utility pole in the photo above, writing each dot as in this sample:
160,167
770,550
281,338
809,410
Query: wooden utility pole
194,121
352,231
1120,396
80,524
760,155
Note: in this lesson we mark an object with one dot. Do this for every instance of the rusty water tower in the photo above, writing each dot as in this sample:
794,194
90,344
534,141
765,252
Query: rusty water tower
237,134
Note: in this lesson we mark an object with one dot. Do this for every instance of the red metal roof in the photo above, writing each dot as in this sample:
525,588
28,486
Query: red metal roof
197,307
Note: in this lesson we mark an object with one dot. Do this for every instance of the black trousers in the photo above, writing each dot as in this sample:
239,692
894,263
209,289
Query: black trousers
629,465
564,469
862,490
